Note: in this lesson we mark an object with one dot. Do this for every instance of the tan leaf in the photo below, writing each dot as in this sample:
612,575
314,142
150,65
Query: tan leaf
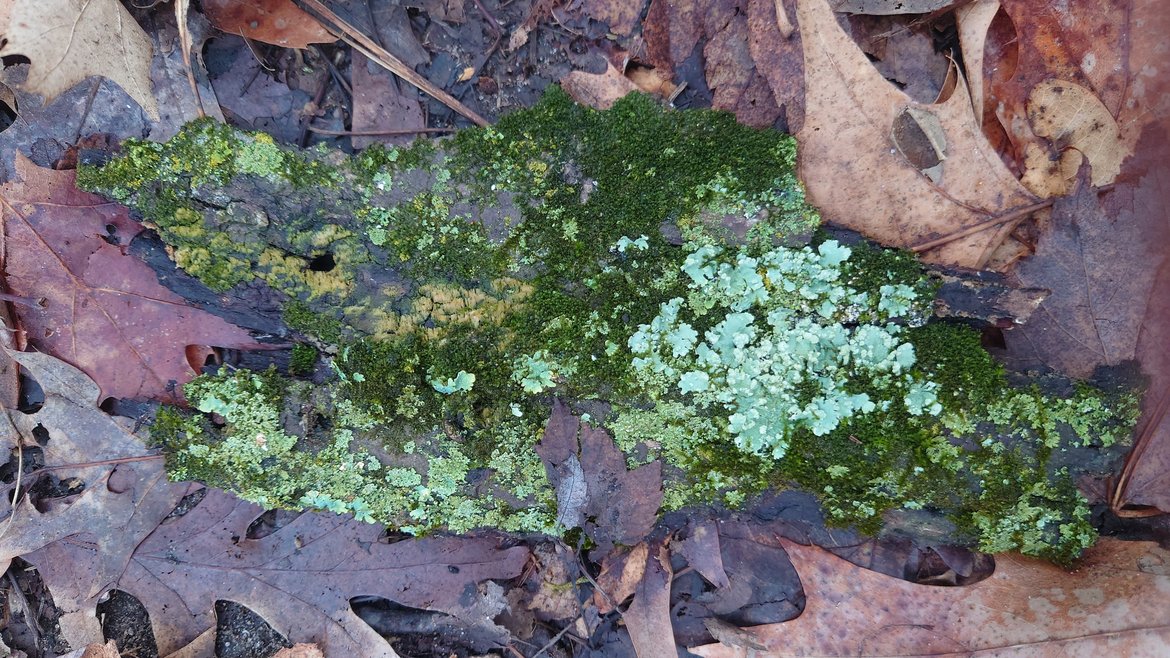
856,175
1116,603
598,90
1074,118
67,41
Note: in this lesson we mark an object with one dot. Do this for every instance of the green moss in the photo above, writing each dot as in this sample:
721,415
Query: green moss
454,286
303,360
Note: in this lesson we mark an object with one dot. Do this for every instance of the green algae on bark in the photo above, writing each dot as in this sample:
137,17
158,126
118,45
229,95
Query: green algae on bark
663,262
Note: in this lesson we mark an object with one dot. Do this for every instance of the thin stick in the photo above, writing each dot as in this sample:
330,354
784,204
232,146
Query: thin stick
978,227
181,7
367,47
377,133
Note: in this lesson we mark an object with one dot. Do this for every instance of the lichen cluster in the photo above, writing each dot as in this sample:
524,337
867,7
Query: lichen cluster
663,263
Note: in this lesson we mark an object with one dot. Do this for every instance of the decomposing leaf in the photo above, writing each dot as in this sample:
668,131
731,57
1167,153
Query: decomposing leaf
1100,267
1111,51
620,15
701,550
301,577
1117,602
380,103
621,571
619,506
887,7
752,62
278,22
82,545
598,90
648,617
102,310
1143,196
67,41
1073,118
856,181
301,650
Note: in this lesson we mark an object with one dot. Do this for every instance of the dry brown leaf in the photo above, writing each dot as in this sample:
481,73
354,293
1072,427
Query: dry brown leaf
598,90
621,571
380,103
67,41
648,617
858,179
973,20
1116,603
890,7
103,310
278,22
300,651
620,15
1067,114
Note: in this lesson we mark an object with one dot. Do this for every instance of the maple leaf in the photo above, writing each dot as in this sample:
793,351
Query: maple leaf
67,41
103,310
1117,602
594,489
857,177
300,577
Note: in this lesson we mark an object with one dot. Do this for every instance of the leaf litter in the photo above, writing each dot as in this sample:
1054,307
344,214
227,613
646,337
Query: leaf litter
762,88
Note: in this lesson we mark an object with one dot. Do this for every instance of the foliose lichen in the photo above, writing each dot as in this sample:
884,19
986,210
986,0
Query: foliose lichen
664,262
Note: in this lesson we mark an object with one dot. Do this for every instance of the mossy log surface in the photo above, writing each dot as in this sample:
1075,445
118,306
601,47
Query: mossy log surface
660,268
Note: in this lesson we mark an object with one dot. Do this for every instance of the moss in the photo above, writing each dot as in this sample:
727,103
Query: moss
303,359
453,286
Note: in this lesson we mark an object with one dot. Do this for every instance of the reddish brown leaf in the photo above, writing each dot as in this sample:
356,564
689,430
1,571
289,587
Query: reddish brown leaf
103,310
82,546
621,571
301,577
593,486
1116,603
279,22
620,15
778,57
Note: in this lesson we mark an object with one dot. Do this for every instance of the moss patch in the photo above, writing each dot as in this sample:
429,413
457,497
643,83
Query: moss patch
664,262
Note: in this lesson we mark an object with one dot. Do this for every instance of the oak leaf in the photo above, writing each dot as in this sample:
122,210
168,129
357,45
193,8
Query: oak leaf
1117,602
858,178
278,22
101,309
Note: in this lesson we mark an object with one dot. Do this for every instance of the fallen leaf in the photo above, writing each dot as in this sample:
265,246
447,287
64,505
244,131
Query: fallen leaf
1067,114
107,650
701,550
620,15
301,577
621,571
380,103
81,546
858,179
103,310
885,7
300,651
619,506
1100,267
67,41
648,617
1117,602
278,22
1113,51
597,90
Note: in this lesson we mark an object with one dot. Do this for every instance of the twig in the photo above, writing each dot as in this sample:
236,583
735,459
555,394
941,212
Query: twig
181,7
363,44
337,77
551,643
377,133
983,225
995,220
